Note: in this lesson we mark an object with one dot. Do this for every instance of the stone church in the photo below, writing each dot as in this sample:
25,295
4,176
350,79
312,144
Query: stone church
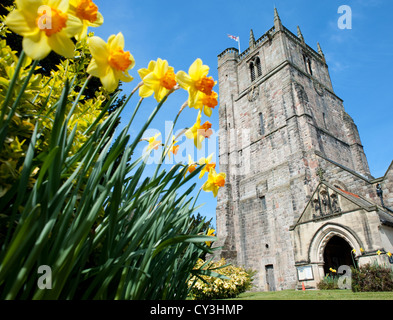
299,197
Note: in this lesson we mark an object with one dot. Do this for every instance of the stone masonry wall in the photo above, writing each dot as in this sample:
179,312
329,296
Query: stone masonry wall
275,132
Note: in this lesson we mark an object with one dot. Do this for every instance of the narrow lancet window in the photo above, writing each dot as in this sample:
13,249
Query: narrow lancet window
252,71
324,119
261,124
258,65
307,64
263,203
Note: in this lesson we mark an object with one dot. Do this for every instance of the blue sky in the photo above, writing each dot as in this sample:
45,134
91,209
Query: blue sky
360,59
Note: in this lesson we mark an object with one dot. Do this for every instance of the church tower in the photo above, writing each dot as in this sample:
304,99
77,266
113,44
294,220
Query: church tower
279,119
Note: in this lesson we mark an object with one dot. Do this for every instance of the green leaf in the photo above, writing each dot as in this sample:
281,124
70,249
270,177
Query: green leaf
182,238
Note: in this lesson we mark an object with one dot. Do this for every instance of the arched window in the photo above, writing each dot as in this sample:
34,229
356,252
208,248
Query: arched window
307,64
258,65
255,68
252,71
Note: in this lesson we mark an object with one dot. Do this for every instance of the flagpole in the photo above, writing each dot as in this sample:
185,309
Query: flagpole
236,38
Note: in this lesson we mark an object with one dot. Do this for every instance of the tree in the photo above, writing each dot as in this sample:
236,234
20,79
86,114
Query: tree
200,219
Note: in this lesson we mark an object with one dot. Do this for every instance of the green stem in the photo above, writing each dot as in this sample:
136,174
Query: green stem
353,260
151,117
4,126
78,98
11,86
165,149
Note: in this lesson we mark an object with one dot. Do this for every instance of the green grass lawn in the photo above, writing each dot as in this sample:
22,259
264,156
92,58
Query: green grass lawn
316,295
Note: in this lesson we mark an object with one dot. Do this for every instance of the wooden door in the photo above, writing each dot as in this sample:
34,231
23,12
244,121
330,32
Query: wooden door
270,277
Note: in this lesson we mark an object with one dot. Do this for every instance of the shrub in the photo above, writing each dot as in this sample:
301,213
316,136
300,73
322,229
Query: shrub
372,277
37,106
329,282
205,287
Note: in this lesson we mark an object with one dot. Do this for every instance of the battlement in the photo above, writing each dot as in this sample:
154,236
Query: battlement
232,51
267,36
235,52
306,47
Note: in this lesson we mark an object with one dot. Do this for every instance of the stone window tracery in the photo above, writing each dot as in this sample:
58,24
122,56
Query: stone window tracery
255,68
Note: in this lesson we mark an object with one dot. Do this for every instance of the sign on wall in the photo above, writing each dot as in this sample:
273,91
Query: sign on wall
305,273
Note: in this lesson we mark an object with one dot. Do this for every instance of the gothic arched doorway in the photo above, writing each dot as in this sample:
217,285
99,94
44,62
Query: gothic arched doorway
337,252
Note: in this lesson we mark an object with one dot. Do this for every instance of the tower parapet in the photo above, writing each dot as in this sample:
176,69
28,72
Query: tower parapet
228,54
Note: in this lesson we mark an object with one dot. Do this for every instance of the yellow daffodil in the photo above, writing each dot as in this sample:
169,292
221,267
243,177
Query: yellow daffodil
158,78
191,166
210,233
353,251
173,148
87,12
145,91
332,270
45,25
199,131
206,103
214,182
208,165
196,81
389,254
110,63
361,250
379,252
153,142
